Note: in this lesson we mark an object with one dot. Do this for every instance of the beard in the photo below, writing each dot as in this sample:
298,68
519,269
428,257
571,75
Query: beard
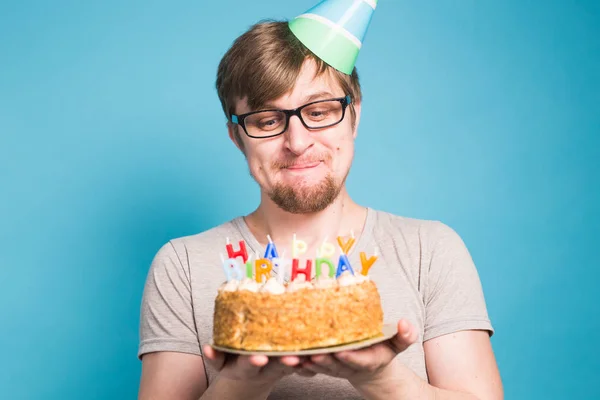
302,199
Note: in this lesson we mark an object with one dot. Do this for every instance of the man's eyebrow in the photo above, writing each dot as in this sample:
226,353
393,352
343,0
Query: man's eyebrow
318,96
313,97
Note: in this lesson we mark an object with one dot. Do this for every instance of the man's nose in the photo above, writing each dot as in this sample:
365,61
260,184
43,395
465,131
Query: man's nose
297,137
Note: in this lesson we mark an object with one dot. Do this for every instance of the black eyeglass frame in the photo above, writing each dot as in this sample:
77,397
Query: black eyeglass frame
240,119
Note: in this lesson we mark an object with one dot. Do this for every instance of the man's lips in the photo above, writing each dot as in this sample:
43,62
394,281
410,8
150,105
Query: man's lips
303,165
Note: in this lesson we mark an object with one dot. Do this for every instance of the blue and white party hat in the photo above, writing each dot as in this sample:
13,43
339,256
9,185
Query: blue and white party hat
334,30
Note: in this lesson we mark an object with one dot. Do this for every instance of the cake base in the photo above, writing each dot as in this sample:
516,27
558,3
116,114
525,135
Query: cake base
388,331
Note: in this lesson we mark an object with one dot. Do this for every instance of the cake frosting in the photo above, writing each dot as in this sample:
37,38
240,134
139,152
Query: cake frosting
272,287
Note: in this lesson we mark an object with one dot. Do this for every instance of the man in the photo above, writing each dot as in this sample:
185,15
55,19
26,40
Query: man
300,160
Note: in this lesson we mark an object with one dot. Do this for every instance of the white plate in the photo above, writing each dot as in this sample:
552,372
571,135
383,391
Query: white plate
388,331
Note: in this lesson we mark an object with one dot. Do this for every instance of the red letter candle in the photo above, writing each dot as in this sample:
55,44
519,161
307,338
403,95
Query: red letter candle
296,270
240,253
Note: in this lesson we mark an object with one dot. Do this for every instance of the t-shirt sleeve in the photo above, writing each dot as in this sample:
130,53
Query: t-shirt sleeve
454,299
167,318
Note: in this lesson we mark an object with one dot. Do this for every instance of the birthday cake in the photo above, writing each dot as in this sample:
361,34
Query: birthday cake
297,310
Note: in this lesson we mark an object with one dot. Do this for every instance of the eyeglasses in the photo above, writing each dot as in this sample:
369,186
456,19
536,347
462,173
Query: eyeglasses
315,115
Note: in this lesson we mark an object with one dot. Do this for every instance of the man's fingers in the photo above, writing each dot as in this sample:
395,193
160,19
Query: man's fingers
276,369
217,359
258,361
250,365
290,361
368,359
315,369
327,361
406,336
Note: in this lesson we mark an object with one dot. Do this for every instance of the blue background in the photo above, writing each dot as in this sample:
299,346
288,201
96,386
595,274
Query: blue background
484,115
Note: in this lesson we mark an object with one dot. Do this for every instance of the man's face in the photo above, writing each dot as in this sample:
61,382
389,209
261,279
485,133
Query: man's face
302,170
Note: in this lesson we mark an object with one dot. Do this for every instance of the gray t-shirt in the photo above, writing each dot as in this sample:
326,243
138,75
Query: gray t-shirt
424,273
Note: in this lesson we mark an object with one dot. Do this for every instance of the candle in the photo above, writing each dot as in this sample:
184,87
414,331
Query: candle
279,264
298,247
366,263
343,265
232,268
271,250
263,269
347,245
326,250
249,269
306,271
240,253
320,261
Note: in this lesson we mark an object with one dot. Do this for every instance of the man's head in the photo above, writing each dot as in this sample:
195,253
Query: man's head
301,170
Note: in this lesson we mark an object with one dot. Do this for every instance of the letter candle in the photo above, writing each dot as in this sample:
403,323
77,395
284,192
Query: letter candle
344,263
249,268
240,253
319,261
324,254
306,271
279,264
263,268
271,250
367,263
232,268
298,247
345,246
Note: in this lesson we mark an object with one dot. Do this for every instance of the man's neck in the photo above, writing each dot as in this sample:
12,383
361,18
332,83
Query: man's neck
341,218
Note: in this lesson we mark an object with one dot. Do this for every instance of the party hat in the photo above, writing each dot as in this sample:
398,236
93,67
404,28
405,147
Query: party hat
334,30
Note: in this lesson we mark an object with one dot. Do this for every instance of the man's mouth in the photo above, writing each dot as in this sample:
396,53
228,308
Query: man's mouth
305,165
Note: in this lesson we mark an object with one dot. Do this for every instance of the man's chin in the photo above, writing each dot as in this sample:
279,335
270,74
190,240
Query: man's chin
302,199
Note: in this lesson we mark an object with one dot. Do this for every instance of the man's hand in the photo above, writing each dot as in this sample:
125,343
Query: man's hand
256,369
367,365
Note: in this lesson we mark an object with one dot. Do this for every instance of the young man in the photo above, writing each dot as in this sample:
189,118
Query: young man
300,161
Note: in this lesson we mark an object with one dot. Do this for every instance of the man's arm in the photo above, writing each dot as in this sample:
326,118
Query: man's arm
464,361
171,375
460,365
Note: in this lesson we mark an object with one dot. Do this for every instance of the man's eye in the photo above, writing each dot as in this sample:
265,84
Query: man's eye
268,123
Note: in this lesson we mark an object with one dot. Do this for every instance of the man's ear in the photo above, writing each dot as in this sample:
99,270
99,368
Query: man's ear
356,119
234,135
